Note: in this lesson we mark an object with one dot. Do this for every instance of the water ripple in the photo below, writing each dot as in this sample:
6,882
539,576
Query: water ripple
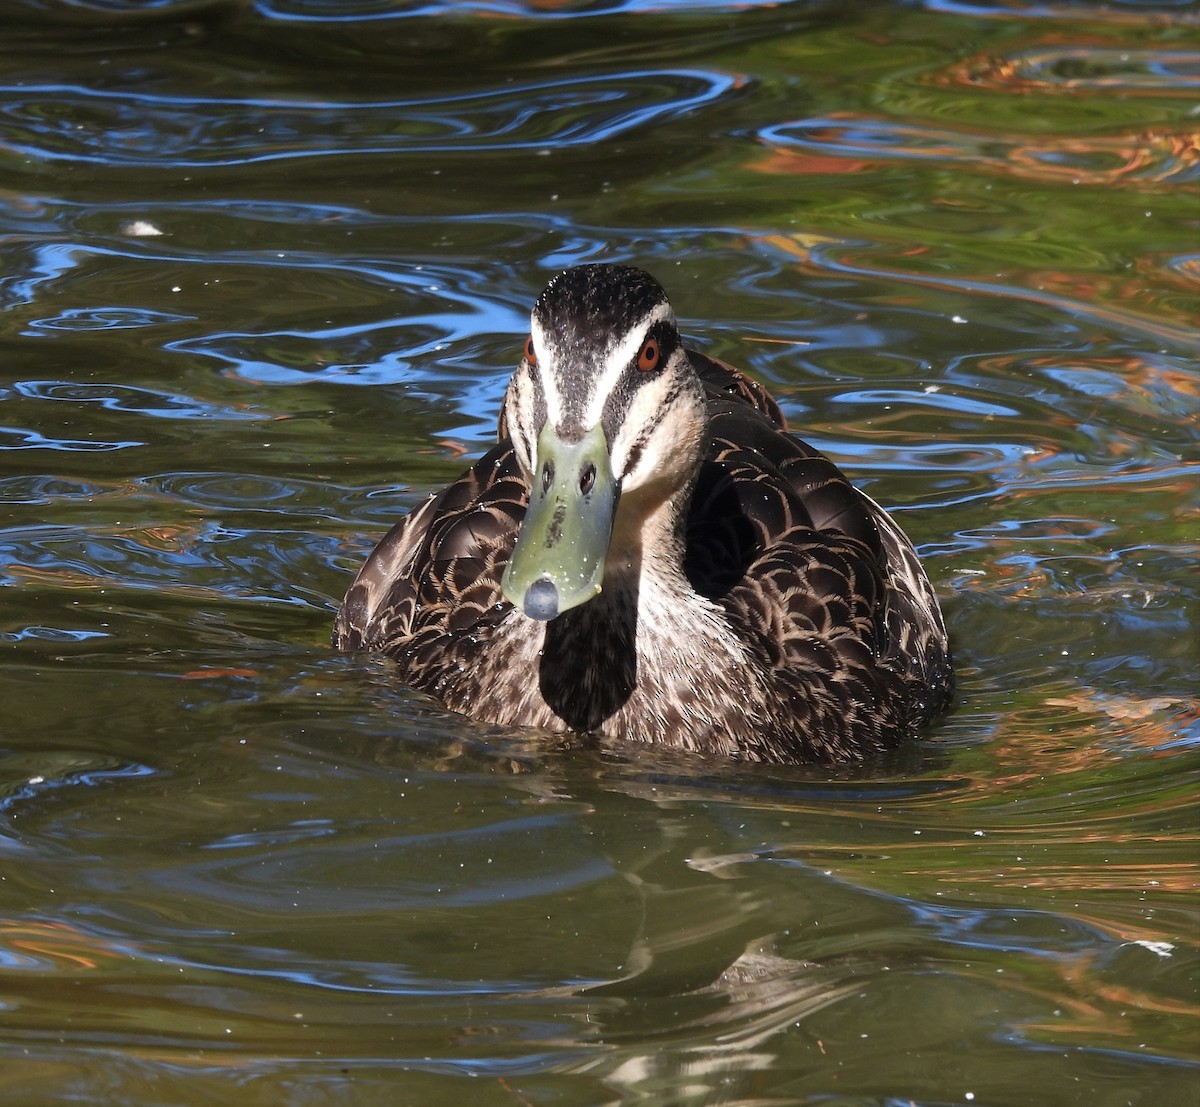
1084,69
23,438
1155,156
73,123
1124,11
858,259
27,777
105,319
43,488
194,562
446,308
336,11
123,397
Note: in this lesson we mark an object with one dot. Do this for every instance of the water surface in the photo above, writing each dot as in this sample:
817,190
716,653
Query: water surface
264,270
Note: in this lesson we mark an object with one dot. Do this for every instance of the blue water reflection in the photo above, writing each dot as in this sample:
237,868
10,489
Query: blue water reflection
449,308
24,438
76,124
334,11
105,319
118,397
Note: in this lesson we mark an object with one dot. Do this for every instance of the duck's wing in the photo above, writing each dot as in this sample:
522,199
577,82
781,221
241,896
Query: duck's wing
823,588
759,482
442,562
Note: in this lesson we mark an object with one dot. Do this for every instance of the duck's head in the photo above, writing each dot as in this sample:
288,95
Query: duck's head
604,411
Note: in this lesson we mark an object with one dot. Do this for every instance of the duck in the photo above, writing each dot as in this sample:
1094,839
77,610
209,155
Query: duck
648,555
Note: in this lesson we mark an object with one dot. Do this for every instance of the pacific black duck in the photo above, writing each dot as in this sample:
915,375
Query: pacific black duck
688,573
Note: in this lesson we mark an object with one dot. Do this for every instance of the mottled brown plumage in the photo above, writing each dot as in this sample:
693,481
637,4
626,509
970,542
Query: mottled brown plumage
754,603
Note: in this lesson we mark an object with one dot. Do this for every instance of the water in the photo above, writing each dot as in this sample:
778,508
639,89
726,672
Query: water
264,270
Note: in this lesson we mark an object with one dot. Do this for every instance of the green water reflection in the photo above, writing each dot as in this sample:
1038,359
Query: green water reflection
263,273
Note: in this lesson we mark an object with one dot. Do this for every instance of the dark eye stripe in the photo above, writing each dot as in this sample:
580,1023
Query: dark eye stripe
667,339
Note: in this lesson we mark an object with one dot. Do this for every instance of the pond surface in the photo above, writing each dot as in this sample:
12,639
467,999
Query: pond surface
264,270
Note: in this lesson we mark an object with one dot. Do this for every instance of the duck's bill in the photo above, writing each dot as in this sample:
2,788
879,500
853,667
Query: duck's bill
558,560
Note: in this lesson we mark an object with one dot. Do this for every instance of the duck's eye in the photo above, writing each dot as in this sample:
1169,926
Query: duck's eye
648,358
530,352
